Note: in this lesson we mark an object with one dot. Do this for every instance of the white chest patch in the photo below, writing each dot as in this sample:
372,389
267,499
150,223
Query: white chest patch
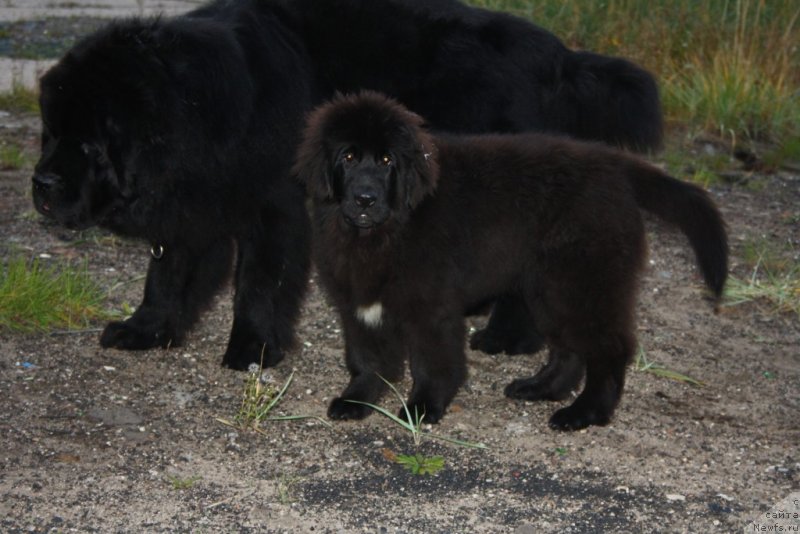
371,315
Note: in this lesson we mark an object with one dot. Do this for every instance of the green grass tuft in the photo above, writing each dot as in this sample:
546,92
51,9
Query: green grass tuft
780,289
259,399
20,99
38,298
178,483
13,157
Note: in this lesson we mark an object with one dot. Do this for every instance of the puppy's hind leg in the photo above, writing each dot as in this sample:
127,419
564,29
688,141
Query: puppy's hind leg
555,381
606,363
511,329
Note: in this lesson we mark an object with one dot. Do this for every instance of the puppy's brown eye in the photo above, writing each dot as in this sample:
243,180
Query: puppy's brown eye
386,160
348,157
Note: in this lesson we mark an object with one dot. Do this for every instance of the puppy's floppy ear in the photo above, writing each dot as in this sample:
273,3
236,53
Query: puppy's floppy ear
313,166
421,164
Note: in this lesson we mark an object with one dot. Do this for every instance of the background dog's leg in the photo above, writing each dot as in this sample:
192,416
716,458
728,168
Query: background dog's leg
438,365
271,277
511,329
179,285
555,381
370,353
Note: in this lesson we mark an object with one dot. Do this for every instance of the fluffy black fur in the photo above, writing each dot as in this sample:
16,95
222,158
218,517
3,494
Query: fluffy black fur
181,131
412,231
174,132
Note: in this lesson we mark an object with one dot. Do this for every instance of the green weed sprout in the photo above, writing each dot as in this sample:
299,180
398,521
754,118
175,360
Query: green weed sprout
644,365
417,464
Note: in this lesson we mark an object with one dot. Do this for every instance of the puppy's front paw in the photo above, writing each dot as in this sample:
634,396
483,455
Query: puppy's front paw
576,417
343,409
429,412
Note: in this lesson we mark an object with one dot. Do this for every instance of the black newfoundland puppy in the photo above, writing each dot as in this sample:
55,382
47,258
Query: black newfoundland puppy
181,132
412,231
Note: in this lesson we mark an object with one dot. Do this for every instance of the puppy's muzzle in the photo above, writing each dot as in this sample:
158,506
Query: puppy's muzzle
364,207
365,199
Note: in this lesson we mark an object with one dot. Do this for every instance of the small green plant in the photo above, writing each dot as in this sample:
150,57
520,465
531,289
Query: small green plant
418,464
645,365
285,488
259,399
36,298
178,483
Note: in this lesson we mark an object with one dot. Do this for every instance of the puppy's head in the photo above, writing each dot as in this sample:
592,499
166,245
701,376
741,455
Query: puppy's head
368,155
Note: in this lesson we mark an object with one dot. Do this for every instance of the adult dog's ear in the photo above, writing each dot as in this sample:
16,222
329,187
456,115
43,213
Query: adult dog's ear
312,165
421,165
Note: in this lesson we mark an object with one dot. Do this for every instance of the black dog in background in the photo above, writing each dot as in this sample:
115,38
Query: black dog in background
181,132
411,231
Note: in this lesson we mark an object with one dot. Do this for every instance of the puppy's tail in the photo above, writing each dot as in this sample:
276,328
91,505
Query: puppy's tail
691,209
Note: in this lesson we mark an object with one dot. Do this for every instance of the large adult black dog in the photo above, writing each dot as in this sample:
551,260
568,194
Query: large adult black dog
413,230
181,132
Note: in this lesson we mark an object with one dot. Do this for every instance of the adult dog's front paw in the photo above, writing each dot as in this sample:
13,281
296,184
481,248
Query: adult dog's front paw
343,409
130,335
262,354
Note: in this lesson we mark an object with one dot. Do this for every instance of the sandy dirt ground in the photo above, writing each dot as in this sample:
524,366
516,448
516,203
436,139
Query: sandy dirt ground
95,440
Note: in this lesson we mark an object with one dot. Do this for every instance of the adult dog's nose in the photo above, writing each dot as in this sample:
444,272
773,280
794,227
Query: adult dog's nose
365,199
43,182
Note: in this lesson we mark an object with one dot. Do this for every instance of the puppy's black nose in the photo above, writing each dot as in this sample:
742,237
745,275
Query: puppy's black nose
43,182
365,200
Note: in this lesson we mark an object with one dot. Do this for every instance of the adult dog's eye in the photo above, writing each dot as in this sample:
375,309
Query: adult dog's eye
386,160
348,157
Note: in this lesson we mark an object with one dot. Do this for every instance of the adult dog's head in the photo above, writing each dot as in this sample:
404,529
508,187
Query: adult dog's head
368,156
124,111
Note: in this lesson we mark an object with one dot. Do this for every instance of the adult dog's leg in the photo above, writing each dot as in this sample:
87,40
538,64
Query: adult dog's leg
511,329
179,285
271,278
370,355
438,365
555,381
